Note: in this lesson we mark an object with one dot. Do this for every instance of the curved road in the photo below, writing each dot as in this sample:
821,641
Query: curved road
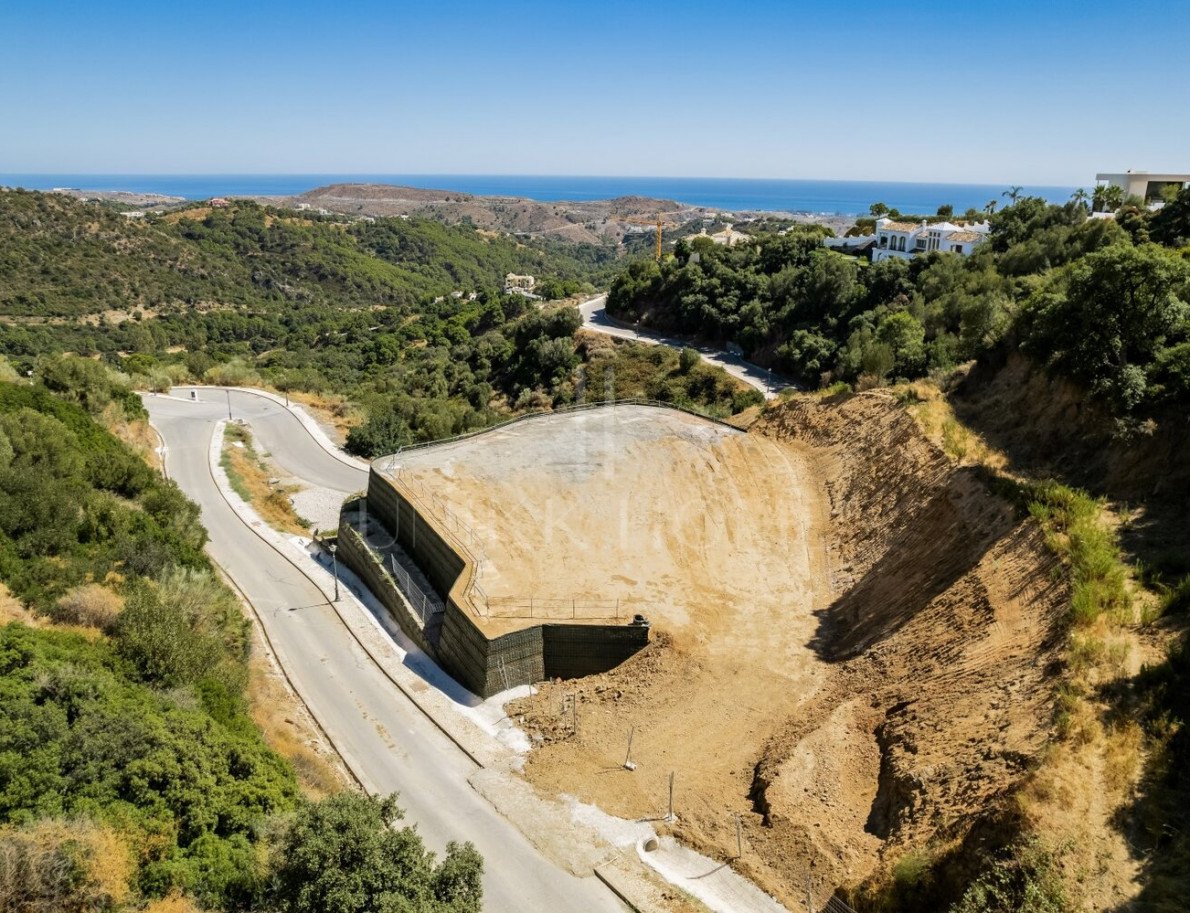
392,745
595,317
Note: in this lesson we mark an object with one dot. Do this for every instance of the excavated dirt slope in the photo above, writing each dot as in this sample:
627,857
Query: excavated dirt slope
921,689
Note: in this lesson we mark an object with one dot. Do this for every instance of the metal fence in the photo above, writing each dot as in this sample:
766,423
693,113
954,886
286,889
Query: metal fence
424,605
560,410
575,609
468,541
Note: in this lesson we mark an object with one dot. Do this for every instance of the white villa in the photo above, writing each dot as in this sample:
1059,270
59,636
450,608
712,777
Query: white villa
1145,184
726,238
905,239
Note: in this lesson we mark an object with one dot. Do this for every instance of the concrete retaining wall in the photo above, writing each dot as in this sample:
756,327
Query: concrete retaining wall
485,664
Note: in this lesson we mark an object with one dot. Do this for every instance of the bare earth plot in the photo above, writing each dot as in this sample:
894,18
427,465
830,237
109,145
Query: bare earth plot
851,634
667,514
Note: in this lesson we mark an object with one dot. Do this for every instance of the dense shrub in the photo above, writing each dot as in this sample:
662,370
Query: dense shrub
346,855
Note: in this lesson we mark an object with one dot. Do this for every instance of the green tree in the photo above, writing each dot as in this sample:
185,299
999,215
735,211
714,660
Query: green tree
905,337
878,209
1113,315
1171,226
946,210
344,854
1107,198
1014,193
688,360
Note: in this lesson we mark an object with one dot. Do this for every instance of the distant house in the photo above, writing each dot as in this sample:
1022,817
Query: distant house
519,285
219,203
728,237
907,239
1147,185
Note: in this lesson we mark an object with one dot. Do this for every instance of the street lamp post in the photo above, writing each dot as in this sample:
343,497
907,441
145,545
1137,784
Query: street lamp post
228,392
335,566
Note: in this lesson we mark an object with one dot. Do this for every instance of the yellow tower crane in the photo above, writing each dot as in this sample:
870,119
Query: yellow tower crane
658,223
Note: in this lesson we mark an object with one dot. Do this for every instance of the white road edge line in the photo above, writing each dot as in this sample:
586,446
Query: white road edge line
240,509
258,531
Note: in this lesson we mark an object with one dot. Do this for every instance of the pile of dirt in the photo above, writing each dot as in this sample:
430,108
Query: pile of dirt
922,691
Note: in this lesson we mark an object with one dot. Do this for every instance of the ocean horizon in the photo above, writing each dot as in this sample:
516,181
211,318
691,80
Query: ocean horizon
729,194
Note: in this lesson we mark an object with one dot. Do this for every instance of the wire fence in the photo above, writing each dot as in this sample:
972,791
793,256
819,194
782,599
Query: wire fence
424,604
560,410
469,542
575,609
835,905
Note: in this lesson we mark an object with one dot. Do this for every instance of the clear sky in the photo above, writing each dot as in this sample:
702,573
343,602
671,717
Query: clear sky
1014,91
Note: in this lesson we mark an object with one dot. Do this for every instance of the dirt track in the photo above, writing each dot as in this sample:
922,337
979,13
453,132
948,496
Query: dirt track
853,636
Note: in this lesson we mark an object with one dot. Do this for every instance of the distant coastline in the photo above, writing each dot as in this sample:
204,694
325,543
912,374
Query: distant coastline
727,194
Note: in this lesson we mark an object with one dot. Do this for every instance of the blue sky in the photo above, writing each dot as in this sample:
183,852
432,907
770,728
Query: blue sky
1046,91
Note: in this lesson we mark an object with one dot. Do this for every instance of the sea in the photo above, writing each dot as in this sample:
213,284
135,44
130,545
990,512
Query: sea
730,194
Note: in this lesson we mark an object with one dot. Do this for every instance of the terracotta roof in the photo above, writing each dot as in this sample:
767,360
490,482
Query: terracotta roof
902,226
969,237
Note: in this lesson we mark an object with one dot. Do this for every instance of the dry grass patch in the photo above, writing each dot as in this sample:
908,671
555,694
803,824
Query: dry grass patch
174,903
63,866
929,408
196,214
289,730
90,605
331,410
250,477
12,609
136,433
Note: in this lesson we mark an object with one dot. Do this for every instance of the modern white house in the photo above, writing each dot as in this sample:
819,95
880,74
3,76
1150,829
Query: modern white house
907,239
1147,185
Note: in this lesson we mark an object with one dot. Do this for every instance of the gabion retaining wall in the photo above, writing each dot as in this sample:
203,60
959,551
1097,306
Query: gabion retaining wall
486,665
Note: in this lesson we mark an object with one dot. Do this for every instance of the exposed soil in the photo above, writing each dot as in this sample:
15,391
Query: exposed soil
863,658
654,511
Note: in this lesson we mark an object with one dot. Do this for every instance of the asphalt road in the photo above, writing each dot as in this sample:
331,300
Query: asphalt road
391,743
595,317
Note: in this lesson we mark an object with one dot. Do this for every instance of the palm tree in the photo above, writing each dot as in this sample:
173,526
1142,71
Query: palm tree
1107,198
1099,198
1080,197
1013,193
991,206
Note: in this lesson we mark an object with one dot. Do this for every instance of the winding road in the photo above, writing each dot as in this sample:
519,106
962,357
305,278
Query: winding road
393,747
595,317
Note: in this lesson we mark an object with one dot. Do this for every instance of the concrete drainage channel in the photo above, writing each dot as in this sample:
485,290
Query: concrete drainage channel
621,872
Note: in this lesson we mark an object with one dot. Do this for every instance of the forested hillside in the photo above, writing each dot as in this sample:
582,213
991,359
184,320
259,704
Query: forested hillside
63,258
1059,356
402,318
130,769
1100,301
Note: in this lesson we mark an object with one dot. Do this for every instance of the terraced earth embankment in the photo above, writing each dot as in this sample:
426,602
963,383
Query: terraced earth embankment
891,700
